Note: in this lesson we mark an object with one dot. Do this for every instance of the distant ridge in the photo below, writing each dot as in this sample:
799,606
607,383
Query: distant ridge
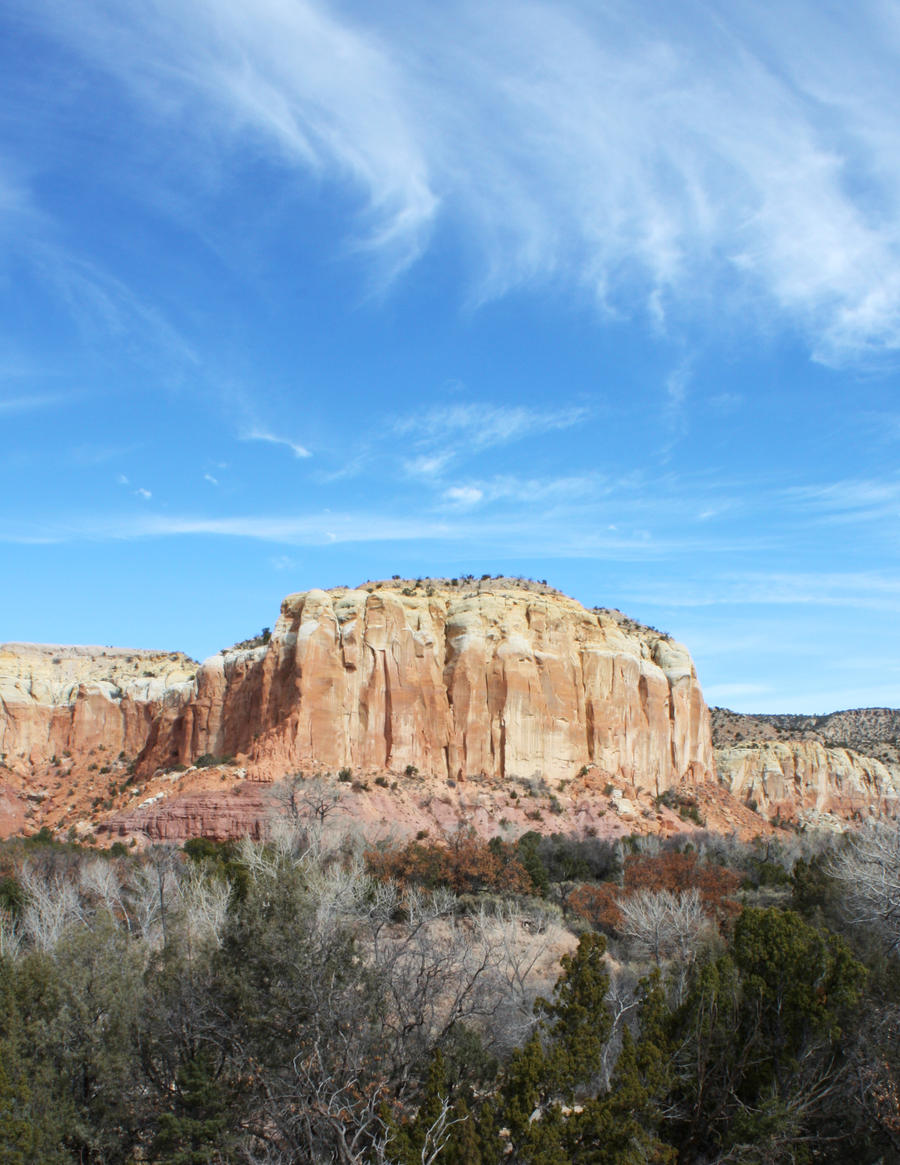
870,731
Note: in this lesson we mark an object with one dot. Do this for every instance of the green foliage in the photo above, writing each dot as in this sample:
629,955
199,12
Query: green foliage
254,641
759,1030
528,852
413,1140
767,872
796,980
684,805
195,1131
207,760
12,896
44,836
564,1052
21,1140
276,1024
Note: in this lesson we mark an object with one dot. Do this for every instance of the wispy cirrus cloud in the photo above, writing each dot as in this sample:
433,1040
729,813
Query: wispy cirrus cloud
864,590
473,427
95,297
298,450
507,488
463,496
29,403
742,155
504,533
853,500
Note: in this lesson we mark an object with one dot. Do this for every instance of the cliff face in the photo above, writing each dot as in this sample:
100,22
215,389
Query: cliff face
491,680
482,687
71,702
790,777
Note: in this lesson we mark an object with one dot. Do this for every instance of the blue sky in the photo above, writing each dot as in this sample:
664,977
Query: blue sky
299,294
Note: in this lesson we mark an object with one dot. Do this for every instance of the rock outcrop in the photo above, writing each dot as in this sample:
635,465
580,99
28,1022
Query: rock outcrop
487,679
790,778
873,732
12,813
241,812
66,703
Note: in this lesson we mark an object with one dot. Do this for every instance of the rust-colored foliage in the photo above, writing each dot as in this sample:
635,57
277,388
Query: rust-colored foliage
675,872
716,885
597,905
465,863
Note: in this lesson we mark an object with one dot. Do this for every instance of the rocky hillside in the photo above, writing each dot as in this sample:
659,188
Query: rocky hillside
60,706
473,680
871,731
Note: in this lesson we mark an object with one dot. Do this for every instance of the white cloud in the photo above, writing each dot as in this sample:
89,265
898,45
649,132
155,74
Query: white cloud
528,491
848,501
687,157
476,427
677,384
212,480
863,590
143,493
551,533
298,450
463,496
427,465
725,402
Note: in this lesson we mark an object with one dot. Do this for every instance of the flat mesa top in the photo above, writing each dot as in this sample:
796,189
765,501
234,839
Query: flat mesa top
84,650
467,581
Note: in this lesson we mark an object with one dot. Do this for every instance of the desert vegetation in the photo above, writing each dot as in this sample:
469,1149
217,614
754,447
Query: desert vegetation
548,1000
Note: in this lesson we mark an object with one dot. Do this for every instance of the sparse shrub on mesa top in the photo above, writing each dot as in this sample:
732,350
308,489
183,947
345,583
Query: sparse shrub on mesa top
259,640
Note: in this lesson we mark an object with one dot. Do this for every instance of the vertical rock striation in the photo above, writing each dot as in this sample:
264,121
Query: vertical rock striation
492,679
787,777
74,701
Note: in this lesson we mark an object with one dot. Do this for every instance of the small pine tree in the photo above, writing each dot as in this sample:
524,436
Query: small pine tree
410,1139
193,1133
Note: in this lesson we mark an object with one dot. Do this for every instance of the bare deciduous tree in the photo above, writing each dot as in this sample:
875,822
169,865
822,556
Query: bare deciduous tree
662,925
52,905
868,870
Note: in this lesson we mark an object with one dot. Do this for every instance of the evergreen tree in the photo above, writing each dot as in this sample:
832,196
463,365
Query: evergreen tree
195,1131
759,1036
30,1125
562,1055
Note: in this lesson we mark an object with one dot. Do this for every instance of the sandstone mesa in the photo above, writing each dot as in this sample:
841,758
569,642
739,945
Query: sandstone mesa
451,697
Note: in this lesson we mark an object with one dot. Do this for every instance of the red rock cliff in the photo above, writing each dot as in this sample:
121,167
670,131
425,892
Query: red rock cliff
491,678
66,703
